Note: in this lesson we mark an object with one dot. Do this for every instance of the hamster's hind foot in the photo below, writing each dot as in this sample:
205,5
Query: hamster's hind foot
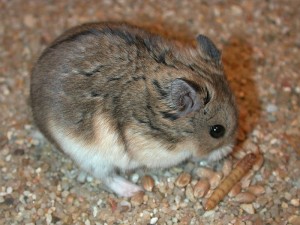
122,187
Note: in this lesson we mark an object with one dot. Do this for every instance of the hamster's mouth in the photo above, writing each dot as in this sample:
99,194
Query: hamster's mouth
219,153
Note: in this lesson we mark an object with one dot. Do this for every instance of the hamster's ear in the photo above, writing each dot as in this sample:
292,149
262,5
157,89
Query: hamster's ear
187,96
208,48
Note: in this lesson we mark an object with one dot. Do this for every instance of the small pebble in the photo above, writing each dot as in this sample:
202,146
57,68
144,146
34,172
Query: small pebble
287,196
209,213
154,220
89,179
295,202
248,208
30,20
9,201
9,190
189,193
8,158
284,205
19,151
95,211
271,108
135,177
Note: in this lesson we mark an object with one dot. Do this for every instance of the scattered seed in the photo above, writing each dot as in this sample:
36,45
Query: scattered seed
201,188
256,189
137,199
148,183
183,179
245,197
237,188
213,177
246,180
204,172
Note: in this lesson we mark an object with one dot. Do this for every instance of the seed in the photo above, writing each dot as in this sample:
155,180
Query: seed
256,190
209,193
148,183
237,188
201,188
246,180
204,172
214,178
137,199
245,197
183,179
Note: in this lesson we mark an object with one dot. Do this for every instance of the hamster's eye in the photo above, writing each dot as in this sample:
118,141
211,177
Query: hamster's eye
217,131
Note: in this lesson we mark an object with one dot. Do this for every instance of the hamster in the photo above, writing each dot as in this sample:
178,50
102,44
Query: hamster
115,97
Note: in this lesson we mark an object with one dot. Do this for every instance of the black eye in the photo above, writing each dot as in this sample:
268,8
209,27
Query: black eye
217,131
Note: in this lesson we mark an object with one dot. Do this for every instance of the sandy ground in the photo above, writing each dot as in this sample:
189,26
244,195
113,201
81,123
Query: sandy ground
260,42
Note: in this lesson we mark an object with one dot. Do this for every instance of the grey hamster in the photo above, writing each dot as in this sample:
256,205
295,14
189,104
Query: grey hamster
115,97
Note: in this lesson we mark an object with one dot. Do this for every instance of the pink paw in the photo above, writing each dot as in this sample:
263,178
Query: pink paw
122,187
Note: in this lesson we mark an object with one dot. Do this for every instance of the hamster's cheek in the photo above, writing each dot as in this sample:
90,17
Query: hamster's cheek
219,153
153,154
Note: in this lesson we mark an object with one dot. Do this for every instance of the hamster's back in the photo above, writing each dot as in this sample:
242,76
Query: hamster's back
84,72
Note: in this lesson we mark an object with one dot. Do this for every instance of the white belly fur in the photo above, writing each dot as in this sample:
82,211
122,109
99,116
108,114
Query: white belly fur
99,157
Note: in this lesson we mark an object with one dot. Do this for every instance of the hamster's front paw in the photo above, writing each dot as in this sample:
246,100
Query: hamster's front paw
122,187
